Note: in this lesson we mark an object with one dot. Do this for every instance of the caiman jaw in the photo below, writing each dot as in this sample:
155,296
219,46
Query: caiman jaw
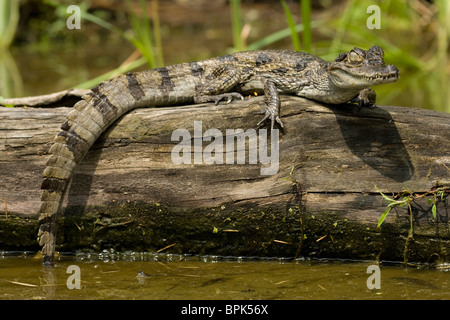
360,69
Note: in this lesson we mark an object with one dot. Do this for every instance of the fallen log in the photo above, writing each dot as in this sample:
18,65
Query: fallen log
133,191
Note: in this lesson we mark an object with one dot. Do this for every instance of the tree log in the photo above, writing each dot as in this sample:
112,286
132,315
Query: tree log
128,193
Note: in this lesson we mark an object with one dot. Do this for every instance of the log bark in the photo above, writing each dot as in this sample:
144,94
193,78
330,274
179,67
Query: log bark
130,195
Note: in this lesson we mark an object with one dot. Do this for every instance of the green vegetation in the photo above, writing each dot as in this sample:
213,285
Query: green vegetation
290,21
9,18
306,18
10,82
414,35
305,26
438,192
145,37
236,24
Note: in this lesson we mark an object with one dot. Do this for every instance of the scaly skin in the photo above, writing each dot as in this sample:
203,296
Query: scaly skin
346,79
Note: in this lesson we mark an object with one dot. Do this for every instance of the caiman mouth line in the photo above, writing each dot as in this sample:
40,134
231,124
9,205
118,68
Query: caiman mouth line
390,76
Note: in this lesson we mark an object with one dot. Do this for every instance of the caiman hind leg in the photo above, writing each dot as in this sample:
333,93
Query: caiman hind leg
217,86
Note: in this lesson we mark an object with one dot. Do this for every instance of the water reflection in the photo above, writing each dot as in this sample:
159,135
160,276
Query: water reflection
11,83
49,282
141,275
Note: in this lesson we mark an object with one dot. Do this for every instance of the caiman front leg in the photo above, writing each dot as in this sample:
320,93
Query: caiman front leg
366,98
217,85
272,104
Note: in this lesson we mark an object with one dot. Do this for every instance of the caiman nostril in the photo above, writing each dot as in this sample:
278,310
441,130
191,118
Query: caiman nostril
393,68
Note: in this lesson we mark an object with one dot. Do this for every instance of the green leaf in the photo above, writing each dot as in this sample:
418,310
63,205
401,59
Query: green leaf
236,24
433,210
384,196
403,202
306,19
383,216
291,24
3,103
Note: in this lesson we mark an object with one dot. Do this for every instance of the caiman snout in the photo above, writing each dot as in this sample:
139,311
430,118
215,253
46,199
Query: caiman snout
393,69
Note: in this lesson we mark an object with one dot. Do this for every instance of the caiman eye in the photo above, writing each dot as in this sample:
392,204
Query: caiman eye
353,57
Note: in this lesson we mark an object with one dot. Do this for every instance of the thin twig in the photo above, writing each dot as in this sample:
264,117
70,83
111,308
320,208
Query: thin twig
166,247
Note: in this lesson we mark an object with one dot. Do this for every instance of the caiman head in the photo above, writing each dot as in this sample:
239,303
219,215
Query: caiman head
359,69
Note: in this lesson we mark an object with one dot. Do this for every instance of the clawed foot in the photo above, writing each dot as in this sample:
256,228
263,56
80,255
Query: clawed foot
228,96
273,118
366,98
217,98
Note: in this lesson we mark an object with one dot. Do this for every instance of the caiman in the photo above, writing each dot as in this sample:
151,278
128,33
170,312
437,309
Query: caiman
347,79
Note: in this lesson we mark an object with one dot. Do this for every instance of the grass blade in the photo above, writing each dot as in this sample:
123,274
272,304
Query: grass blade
384,196
384,215
344,22
106,76
278,35
9,19
157,35
236,23
290,20
306,20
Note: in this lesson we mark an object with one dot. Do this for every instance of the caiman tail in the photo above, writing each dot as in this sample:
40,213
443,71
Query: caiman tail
90,118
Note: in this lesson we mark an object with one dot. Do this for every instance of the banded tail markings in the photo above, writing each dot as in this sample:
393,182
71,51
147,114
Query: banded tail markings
84,124
135,87
89,118
166,80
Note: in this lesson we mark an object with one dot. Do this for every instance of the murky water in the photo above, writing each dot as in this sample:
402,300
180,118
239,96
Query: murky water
160,276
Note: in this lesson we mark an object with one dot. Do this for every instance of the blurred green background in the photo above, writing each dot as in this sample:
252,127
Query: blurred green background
39,54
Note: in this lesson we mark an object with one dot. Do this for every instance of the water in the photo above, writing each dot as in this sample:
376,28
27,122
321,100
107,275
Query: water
111,275
65,58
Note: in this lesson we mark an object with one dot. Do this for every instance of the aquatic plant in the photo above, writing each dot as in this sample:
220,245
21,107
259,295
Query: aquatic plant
146,40
10,80
9,19
236,25
439,192
414,35
145,35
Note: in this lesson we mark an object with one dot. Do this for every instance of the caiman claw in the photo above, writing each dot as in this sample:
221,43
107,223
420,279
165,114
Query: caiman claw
273,118
218,97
